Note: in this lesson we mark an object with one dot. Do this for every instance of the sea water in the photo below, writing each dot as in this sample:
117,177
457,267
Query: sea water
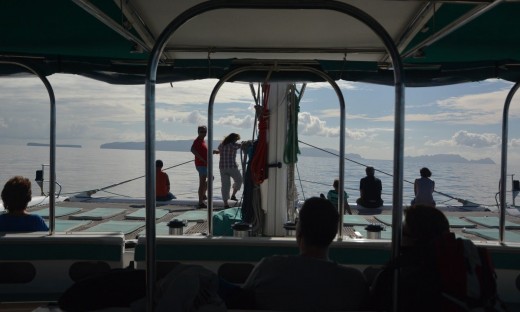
85,169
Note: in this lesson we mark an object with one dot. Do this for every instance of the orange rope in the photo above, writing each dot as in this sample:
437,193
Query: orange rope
259,161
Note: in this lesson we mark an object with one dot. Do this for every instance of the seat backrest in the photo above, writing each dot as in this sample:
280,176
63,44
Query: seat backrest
37,266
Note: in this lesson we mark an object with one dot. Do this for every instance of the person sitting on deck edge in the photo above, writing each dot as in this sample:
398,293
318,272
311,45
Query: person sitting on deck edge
370,190
333,196
162,183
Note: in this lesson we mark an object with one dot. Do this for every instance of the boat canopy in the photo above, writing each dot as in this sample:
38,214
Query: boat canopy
441,42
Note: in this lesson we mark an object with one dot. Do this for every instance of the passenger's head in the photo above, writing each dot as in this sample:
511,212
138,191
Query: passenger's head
202,130
16,194
335,184
158,164
425,172
231,138
424,224
370,171
317,223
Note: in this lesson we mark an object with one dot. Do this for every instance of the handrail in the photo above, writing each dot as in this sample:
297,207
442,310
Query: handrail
52,143
279,68
503,163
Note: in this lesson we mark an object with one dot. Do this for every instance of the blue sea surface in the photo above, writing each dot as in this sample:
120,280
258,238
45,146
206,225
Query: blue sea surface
83,169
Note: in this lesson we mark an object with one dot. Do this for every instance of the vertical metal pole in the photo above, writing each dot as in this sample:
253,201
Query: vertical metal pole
503,164
210,159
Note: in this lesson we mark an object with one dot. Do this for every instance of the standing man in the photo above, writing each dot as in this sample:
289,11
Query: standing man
370,190
200,150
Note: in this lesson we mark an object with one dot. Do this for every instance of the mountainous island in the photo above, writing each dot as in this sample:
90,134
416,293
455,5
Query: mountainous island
185,145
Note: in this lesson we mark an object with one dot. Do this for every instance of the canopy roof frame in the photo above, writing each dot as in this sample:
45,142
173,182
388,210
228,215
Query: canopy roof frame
151,76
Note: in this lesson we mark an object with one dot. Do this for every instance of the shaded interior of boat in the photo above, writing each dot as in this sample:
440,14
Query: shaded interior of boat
398,43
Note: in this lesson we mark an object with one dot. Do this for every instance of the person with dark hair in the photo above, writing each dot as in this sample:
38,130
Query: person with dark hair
333,196
162,183
15,196
200,150
420,287
229,168
309,281
370,189
424,188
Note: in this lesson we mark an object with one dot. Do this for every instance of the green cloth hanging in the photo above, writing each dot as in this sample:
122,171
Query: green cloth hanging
291,151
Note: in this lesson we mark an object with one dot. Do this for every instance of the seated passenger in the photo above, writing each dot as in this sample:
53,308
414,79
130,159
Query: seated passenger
370,190
309,281
424,188
333,195
162,183
15,196
420,287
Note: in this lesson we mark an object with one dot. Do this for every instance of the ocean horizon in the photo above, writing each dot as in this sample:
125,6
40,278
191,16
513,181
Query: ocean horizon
86,169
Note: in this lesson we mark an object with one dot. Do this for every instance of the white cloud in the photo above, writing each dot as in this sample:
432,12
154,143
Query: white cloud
469,139
245,122
514,142
312,125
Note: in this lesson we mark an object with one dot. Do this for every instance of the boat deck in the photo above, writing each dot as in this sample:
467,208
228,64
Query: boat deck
129,218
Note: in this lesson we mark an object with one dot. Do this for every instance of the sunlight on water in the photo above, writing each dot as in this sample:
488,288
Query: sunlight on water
82,169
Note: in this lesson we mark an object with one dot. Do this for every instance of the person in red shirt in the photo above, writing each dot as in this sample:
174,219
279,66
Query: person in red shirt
200,150
162,183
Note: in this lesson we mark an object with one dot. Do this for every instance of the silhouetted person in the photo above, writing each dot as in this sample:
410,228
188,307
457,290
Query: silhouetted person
200,150
15,196
309,281
229,168
423,189
420,286
370,190
333,196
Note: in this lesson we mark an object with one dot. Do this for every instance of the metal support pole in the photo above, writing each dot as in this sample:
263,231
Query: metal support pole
52,143
503,164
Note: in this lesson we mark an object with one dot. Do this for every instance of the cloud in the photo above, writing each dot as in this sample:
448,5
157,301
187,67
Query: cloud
245,122
469,139
514,142
196,118
312,125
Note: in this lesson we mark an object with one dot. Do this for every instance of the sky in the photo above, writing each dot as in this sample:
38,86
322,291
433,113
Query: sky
463,119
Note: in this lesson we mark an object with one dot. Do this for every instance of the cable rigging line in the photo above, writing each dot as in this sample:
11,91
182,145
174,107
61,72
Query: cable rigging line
90,192
463,201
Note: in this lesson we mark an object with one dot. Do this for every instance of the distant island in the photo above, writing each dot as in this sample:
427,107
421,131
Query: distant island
185,146
448,158
57,145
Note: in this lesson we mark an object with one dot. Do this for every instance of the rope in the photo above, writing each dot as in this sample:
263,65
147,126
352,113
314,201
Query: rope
130,180
258,164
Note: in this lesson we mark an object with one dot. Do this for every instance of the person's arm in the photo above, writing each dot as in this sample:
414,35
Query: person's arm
167,182
415,187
